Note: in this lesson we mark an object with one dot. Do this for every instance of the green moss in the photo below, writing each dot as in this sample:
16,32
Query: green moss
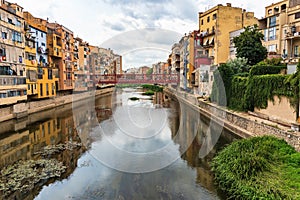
148,92
258,168
134,98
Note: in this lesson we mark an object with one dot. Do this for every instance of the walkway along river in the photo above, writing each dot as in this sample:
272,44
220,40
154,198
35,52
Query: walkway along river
111,148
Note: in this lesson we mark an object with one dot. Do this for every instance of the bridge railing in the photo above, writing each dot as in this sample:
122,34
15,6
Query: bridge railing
139,78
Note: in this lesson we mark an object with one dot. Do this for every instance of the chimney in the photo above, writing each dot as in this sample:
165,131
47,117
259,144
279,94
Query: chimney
228,4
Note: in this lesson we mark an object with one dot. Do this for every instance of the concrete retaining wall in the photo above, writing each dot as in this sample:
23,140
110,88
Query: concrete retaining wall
235,122
24,109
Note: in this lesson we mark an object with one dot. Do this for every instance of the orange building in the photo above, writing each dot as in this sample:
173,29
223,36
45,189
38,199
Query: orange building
61,49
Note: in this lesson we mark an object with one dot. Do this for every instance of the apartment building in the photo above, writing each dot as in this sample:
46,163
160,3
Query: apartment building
281,27
54,44
290,40
12,45
104,62
61,53
215,25
81,65
183,43
232,49
175,58
273,26
40,78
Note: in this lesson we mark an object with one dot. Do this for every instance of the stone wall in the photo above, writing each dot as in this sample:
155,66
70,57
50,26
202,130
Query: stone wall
23,109
278,111
234,121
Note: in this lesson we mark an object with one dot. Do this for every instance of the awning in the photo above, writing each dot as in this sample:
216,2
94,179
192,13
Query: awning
195,70
212,40
206,42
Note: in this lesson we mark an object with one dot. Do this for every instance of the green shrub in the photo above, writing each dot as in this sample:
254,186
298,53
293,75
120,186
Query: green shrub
154,88
263,70
258,168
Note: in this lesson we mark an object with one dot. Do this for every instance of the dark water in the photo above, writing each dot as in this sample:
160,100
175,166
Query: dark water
120,149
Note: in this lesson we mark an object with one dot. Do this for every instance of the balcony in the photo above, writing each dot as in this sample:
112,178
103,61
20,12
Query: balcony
12,80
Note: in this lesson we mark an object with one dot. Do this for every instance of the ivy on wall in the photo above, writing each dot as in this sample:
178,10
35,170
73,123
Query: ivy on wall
238,89
255,90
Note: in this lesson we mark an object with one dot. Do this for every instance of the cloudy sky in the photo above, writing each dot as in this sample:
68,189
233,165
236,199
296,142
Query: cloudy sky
141,31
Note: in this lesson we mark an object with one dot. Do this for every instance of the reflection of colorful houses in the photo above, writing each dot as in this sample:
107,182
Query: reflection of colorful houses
14,147
46,133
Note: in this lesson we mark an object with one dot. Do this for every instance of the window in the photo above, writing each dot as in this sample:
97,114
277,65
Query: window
10,21
18,23
20,59
272,48
297,15
50,74
42,35
296,52
208,19
43,44
272,21
2,52
266,35
47,89
53,88
270,11
214,16
17,37
4,35
201,21
272,33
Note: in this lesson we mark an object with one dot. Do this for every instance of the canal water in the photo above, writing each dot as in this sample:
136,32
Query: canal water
111,147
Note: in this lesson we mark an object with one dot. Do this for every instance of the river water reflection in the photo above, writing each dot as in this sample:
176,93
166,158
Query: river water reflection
115,148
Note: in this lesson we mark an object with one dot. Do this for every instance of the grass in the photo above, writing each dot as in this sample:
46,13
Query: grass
258,168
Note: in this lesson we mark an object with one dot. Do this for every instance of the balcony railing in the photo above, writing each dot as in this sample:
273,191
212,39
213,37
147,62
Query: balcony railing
9,80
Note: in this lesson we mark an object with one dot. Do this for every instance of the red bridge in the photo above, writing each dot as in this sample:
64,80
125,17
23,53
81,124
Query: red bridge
138,78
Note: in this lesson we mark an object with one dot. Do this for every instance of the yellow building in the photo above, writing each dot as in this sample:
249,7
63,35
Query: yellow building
40,80
215,25
12,45
272,26
281,27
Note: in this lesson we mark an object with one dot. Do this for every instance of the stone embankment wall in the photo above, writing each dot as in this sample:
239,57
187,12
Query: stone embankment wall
234,121
23,109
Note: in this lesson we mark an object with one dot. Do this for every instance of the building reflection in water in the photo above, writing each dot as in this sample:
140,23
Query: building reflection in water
22,140
192,131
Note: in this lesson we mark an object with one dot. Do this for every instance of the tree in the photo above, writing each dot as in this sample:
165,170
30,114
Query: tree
238,65
249,45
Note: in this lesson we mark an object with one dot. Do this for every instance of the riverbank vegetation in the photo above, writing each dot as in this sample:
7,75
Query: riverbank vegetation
148,93
247,88
154,88
258,168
